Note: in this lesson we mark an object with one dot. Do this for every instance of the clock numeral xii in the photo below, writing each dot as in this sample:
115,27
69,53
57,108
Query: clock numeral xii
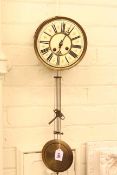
62,27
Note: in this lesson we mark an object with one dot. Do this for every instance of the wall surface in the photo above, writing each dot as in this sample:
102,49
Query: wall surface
89,90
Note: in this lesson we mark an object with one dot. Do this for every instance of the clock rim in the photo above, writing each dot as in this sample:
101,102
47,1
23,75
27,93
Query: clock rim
39,28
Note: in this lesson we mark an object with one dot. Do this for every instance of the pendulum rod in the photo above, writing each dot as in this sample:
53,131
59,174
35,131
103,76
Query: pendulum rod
58,103
57,108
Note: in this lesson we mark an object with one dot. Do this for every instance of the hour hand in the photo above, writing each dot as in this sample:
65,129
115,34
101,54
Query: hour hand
61,43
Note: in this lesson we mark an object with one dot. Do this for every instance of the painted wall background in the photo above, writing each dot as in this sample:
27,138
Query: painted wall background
89,90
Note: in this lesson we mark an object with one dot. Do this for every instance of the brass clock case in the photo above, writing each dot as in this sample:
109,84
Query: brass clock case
65,46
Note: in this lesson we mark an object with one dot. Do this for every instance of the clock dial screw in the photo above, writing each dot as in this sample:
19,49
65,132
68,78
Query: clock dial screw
54,49
66,48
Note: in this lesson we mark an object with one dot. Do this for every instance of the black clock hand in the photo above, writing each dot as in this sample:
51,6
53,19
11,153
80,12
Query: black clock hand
61,42
64,38
69,31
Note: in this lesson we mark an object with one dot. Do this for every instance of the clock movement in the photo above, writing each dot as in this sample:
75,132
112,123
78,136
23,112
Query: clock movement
59,43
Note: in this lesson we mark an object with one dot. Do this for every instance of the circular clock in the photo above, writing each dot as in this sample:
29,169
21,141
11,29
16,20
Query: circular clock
60,43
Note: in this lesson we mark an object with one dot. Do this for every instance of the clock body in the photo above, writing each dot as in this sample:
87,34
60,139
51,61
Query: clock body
60,43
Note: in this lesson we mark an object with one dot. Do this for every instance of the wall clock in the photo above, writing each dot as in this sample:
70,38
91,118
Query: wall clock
60,43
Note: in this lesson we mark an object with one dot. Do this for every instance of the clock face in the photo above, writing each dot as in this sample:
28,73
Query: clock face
60,43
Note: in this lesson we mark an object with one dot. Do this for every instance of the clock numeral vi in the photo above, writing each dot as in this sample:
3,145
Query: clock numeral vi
58,60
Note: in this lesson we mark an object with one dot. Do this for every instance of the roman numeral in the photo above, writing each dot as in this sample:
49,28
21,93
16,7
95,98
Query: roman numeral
75,38
44,42
69,30
76,46
50,57
62,27
54,28
73,54
44,51
58,60
66,59
47,34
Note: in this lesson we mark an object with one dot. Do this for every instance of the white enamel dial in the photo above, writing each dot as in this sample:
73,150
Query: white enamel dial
60,43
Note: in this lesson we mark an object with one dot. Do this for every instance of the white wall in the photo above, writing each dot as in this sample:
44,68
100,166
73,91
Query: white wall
89,92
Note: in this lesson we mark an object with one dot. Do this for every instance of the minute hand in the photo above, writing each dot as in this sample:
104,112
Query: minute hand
69,31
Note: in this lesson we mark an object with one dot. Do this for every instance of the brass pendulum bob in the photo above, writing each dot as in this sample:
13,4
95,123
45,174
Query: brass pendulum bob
56,154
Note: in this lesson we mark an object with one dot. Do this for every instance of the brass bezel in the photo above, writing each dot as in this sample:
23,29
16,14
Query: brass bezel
36,37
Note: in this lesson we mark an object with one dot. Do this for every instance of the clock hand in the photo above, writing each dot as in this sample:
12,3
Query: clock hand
60,45
64,38
61,42
69,31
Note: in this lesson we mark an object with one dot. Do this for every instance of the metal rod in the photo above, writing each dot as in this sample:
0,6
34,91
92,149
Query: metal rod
58,100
